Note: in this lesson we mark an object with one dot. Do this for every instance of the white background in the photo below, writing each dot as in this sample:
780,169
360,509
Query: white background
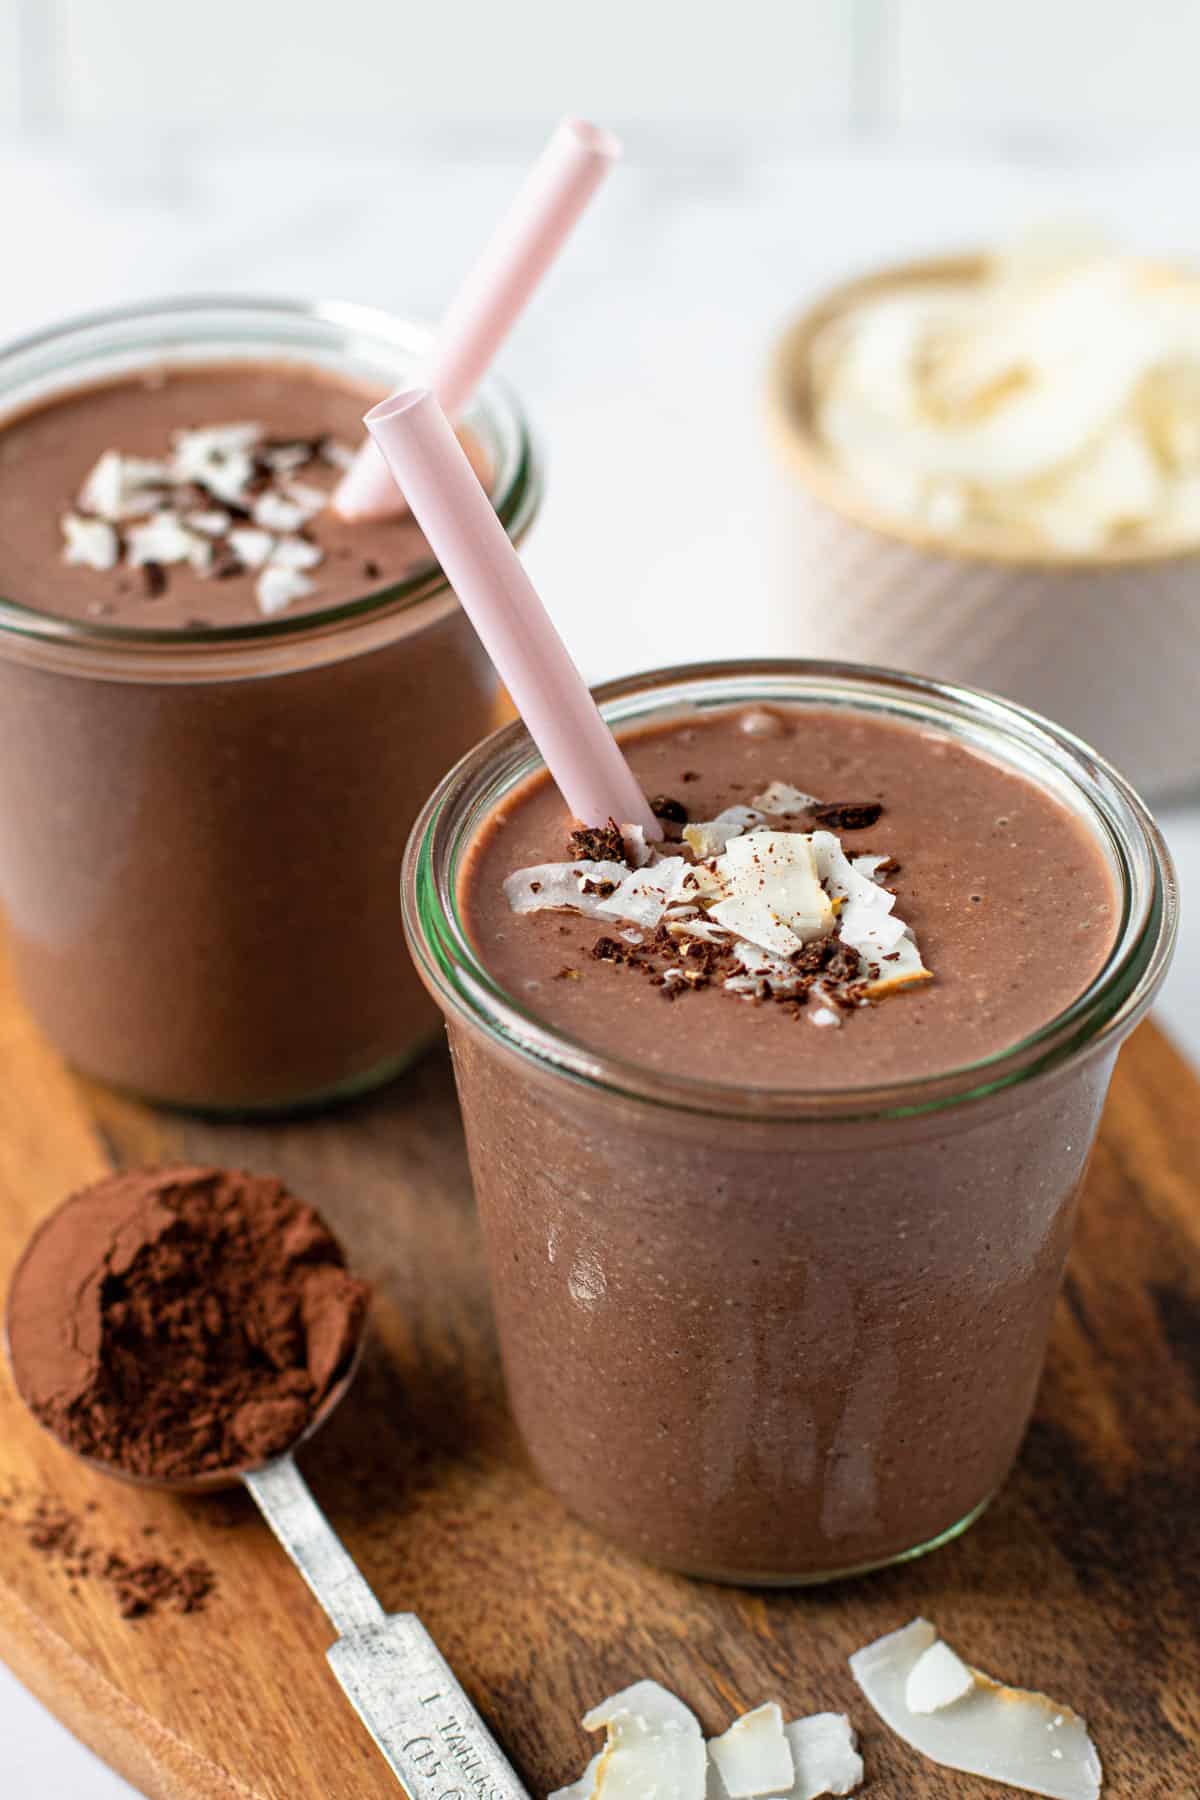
363,149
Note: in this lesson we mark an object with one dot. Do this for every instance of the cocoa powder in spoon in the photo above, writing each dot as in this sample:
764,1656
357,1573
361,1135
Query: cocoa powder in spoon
175,1321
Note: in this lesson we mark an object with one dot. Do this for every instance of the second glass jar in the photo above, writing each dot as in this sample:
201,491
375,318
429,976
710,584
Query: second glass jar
201,833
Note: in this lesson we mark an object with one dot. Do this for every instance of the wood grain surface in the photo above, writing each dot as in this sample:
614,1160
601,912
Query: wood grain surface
1083,1578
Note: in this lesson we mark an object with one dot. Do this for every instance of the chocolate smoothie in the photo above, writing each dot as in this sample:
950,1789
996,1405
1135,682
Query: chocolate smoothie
221,706
773,1270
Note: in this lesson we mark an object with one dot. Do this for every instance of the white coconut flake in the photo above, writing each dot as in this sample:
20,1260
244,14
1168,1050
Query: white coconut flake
1000,1733
252,547
754,1757
338,456
707,929
209,524
217,457
584,1788
296,553
865,920
869,866
898,968
655,1747
636,847
823,1016
557,885
755,919
312,500
710,836
778,867
90,542
784,800
759,965
281,459
644,895
123,487
163,539
825,1751
103,487
275,512
276,588
938,1678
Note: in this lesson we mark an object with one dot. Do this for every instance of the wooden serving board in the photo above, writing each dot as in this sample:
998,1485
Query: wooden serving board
1083,1578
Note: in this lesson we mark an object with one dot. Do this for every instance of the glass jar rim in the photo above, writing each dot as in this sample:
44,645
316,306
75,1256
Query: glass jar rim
1103,1013
60,349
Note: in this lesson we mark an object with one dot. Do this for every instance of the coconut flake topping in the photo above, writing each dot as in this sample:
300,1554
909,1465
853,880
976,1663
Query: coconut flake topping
150,514
757,900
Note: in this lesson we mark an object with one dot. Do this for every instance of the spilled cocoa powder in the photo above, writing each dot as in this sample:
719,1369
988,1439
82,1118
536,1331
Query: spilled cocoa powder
141,1583
179,1321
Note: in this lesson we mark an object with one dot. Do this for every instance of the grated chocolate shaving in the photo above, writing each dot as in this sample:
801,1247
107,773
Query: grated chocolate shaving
597,843
848,815
154,580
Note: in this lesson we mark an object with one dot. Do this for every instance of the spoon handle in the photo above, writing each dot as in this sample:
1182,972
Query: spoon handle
283,1498
390,1669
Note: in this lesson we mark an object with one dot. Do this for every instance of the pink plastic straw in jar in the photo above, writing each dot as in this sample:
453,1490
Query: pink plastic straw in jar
495,293
489,578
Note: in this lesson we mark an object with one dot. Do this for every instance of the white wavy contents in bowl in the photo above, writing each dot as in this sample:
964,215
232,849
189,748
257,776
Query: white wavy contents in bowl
1055,401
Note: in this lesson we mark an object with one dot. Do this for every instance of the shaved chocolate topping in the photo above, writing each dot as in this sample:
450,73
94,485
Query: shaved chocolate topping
154,579
598,843
848,815
673,811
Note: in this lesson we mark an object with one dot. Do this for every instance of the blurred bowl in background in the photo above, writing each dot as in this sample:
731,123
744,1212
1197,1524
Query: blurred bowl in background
1105,642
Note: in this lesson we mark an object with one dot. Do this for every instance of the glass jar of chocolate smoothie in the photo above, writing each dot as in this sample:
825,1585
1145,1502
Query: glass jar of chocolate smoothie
220,706
774,1260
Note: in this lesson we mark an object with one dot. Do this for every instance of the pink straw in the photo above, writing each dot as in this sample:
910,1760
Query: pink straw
489,578
495,293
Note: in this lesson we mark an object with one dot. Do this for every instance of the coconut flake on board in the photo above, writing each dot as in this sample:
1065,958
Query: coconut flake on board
938,1678
585,1786
754,1757
825,1751
1003,1734
655,1746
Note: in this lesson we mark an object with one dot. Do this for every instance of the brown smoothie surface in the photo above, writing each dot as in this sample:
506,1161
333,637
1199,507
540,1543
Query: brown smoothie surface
47,452
1010,897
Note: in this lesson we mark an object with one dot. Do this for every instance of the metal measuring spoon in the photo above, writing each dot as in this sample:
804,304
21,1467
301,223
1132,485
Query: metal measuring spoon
390,1669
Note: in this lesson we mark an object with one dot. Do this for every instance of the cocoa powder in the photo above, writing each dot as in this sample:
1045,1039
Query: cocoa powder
178,1321
140,1584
